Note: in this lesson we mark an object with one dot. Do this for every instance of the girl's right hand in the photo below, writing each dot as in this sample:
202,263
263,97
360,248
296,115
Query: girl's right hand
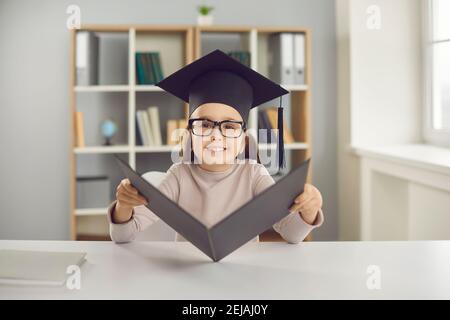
127,198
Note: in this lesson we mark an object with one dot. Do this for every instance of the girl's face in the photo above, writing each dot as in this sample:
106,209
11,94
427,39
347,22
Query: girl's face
215,149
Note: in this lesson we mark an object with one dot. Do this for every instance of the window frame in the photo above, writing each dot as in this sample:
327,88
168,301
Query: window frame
439,137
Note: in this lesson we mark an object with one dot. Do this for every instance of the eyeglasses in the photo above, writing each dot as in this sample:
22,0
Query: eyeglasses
228,128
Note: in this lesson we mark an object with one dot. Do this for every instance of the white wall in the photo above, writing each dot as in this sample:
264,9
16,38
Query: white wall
379,90
34,84
386,80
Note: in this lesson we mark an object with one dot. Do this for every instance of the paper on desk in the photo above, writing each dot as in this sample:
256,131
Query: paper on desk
21,267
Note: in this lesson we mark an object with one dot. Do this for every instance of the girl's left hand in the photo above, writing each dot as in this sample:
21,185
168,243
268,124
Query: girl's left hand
308,203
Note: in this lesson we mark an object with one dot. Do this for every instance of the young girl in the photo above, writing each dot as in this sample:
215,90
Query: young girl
220,92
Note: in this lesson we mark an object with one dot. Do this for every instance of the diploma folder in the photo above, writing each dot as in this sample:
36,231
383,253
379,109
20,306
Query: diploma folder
234,230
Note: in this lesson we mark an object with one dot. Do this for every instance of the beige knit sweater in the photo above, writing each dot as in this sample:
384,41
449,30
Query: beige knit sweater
210,196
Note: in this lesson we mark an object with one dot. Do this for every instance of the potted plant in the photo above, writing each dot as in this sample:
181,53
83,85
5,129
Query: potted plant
205,17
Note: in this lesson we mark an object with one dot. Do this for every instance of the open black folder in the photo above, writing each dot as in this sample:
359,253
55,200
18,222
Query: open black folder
236,229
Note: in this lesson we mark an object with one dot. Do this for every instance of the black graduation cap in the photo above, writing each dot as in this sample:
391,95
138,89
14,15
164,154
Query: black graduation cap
217,77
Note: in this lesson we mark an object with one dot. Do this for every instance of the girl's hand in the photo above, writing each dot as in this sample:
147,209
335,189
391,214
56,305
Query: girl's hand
308,203
127,197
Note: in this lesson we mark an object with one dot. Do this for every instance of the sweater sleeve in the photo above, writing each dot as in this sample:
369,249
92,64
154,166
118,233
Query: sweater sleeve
292,227
141,217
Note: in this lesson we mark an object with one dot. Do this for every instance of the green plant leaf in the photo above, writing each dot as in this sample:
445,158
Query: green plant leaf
204,10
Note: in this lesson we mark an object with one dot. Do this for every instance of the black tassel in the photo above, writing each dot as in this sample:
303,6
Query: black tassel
280,145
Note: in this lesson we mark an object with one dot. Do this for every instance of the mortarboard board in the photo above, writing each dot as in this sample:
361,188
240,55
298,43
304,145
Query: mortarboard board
219,78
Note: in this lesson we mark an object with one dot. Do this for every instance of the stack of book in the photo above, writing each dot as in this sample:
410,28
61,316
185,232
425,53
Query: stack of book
241,56
148,127
148,68
267,119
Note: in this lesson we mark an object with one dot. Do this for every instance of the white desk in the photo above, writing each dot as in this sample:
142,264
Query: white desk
170,270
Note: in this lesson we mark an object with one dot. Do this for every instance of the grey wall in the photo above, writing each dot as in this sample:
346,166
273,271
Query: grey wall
34,117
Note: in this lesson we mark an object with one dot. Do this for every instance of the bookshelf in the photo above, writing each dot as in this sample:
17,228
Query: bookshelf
119,94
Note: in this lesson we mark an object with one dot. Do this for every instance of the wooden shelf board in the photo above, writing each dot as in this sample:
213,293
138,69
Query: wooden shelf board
137,27
224,28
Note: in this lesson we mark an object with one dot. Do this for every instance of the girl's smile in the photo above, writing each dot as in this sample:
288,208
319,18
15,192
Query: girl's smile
215,147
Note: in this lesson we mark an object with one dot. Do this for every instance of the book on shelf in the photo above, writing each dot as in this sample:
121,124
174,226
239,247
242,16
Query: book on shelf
87,58
153,115
287,58
156,65
148,68
140,131
241,56
268,119
144,128
299,58
148,129
140,76
139,136
79,129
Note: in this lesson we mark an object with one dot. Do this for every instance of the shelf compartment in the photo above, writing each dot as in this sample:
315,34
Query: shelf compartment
171,47
225,40
105,56
266,56
89,213
169,108
97,107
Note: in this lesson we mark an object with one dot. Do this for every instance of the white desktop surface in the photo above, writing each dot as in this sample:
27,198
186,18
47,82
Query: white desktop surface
309,270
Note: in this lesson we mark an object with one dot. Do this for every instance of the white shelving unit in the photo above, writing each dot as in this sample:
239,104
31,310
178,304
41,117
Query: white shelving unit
139,38
90,212
98,88
256,41
170,40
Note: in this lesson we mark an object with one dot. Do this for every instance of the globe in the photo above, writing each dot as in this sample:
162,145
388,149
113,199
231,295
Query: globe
108,129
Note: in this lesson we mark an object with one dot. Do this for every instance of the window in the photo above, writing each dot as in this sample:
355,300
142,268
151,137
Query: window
437,110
